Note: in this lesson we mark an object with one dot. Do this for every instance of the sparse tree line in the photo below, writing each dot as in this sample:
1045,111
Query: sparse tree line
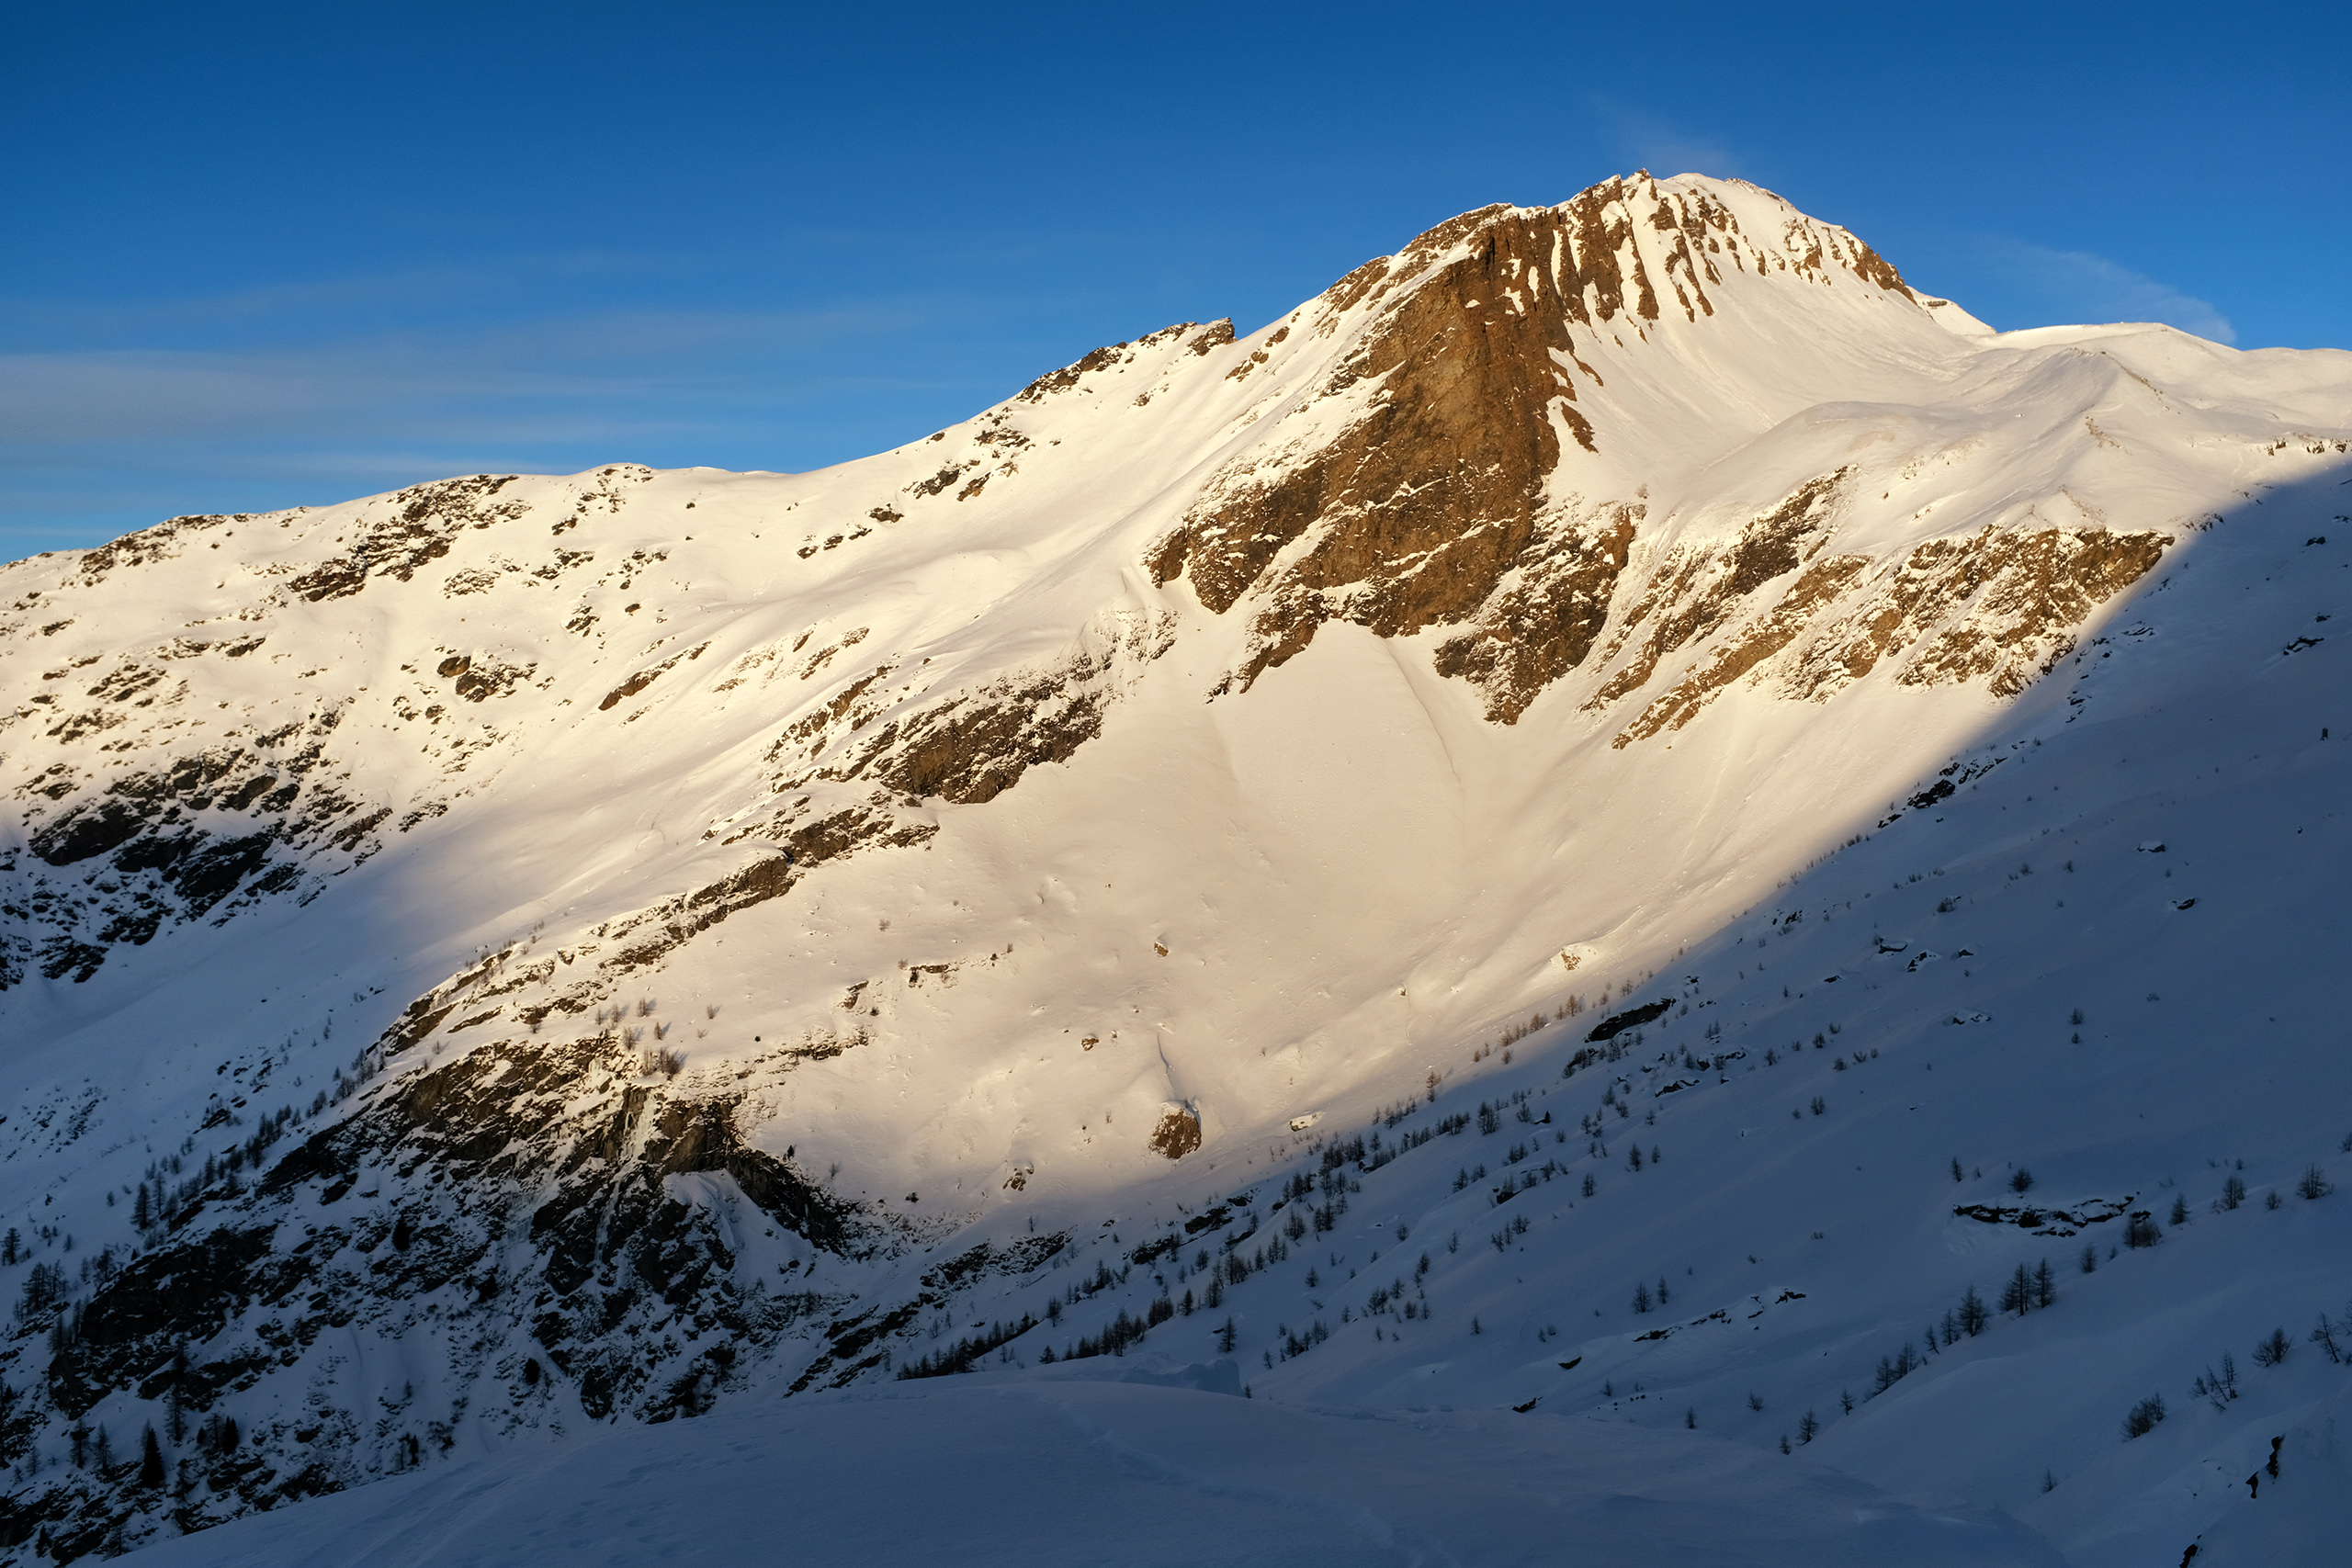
1366,1152
1330,1181
2027,1289
1291,1345
46,1296
2030,1290
964,1354
2333,1335
1230,1269
1121,1331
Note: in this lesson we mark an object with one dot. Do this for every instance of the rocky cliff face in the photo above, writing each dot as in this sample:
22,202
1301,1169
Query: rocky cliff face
1429,508
522,951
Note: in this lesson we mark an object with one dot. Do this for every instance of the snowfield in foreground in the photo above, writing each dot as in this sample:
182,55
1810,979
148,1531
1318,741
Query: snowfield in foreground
1682,902
1067,1471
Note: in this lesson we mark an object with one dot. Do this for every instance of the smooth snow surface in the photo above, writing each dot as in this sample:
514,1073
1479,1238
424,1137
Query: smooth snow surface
1052,1472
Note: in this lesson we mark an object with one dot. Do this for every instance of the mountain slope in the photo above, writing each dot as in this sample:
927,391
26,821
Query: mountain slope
526,952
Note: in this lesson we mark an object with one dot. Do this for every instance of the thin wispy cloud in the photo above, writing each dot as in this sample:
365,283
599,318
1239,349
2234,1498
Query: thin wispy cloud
2080,286
95,439
300,304
612,358
1666,147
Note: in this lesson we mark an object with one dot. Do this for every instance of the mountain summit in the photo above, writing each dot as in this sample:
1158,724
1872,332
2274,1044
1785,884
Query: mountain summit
525,952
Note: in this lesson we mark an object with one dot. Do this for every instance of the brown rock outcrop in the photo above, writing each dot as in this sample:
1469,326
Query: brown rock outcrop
1698,590
1178,1135
1542,622
1430,508
1780,626
2022,595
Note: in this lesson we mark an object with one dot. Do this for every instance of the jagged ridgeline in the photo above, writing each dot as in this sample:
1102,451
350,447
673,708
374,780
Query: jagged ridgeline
523,952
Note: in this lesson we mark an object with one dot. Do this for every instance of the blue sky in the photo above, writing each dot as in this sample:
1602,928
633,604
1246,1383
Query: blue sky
256,256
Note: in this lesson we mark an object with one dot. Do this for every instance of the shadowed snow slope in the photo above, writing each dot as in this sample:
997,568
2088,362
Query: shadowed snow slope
1087,1473
1600,822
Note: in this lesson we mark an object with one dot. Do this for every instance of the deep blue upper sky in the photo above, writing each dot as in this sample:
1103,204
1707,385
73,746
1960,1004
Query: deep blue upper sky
252,255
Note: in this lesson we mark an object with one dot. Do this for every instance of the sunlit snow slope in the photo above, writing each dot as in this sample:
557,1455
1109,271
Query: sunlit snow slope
1609,748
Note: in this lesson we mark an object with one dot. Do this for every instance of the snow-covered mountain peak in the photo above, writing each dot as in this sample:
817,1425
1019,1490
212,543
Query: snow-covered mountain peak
523,949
